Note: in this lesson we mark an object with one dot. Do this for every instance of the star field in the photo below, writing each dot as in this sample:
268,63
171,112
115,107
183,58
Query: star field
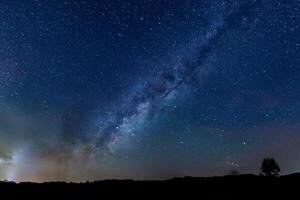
147,89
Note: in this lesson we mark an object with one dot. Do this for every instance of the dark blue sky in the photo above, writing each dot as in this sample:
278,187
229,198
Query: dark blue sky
147,89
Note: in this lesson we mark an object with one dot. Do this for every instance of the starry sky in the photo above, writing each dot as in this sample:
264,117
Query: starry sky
147,89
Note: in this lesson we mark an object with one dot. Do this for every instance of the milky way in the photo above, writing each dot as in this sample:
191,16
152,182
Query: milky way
147,89
167,83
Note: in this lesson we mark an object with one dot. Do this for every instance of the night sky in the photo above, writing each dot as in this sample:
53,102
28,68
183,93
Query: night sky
147,89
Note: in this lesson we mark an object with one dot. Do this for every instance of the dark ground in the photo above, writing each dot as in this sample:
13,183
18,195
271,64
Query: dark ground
240,187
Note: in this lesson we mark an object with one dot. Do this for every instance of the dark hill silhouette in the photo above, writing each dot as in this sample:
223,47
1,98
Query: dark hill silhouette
240,186
297,174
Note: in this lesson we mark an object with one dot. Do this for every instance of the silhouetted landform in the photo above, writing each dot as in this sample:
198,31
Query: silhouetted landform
294,174
227,186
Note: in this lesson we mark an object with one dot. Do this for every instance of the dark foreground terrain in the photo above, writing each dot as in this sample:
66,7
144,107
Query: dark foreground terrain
241,187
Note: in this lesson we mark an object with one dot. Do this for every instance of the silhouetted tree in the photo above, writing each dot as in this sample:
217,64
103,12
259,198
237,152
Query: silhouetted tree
269,167
233,172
